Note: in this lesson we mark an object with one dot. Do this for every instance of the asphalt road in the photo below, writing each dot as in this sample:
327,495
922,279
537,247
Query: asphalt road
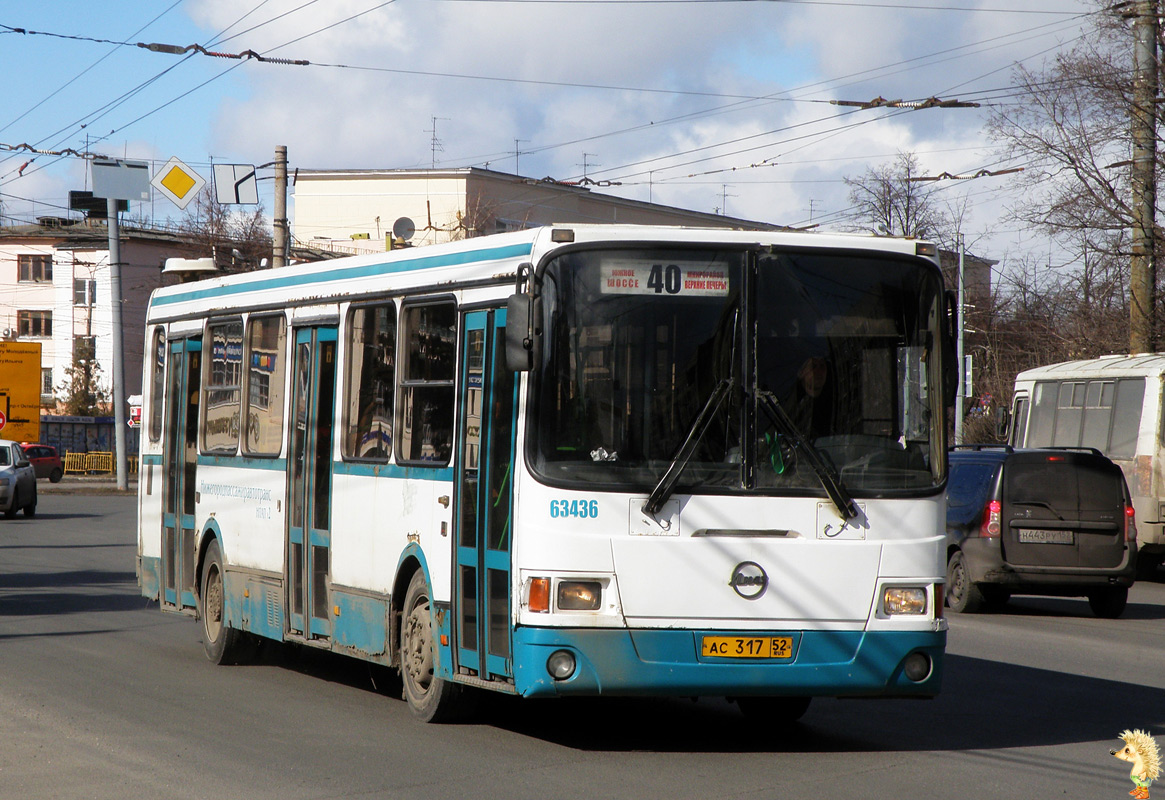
103,696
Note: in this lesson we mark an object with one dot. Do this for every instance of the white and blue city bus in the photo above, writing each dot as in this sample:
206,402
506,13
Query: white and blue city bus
584,460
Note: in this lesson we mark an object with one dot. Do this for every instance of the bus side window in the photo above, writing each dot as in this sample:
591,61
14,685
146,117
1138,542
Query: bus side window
266,367
371,381
1126,417
1042,417
157,383
222,383
424,430
1019,422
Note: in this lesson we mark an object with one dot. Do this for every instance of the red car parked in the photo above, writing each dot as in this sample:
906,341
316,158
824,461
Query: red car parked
45,460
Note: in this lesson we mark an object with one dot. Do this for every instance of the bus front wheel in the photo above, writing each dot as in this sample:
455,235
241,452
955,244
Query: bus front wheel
430,697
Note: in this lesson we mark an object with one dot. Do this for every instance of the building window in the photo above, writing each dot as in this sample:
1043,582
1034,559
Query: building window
34,323
84,292
34,267
46,380
84,348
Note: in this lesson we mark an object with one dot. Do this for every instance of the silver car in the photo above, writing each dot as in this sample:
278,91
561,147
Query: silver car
17,481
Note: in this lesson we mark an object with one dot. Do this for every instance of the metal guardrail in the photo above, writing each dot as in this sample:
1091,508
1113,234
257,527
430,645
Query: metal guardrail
95,463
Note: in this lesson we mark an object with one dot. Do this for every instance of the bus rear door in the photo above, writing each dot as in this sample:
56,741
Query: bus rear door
180,449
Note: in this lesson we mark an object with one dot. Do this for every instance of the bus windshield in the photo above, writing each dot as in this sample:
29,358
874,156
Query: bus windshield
643,346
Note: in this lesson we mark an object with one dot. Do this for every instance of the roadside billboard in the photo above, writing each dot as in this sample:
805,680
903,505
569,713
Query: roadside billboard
20,391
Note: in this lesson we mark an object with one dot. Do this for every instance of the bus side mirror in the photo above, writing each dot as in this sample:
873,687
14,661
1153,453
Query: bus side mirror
950,376
1002,423
519,333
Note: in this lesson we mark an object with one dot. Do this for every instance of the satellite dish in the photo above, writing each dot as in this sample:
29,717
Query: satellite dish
404,228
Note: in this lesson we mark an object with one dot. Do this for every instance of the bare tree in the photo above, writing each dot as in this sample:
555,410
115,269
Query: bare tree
238,241
888,200
1068,126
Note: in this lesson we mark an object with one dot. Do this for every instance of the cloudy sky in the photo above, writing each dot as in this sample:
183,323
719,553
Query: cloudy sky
714,105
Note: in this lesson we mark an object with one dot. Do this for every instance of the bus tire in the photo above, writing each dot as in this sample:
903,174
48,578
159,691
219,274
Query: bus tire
773,712
430,697
222,643
963,596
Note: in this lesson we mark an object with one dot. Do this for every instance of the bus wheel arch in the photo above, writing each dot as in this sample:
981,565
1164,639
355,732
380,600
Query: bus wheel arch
430,697
221,643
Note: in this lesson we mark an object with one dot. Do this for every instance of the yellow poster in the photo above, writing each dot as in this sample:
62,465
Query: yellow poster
20,391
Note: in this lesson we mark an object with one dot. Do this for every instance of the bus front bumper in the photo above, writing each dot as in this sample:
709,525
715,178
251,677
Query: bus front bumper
669,662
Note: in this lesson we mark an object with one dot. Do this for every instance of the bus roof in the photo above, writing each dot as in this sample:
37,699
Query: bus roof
1115,366
482,260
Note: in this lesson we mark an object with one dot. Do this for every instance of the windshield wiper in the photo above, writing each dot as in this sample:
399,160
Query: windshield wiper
1038,503
671,476
825,472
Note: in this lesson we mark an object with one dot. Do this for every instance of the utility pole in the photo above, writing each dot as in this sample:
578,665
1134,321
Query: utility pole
118,377
1143,266
281,238
960,356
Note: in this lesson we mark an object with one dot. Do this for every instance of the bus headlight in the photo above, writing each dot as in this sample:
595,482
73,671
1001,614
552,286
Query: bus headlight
579,595
904,600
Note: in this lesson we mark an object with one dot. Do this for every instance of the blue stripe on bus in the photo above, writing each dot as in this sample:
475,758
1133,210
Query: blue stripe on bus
411,471
417,472
660,662
348,273
243,462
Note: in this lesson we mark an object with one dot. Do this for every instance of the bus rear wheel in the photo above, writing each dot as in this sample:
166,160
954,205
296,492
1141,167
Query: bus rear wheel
430,697
222,643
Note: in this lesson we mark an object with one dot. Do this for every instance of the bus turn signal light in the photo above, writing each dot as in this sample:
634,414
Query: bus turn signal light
540,595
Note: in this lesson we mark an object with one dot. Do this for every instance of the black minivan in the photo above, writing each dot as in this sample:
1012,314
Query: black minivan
1049,521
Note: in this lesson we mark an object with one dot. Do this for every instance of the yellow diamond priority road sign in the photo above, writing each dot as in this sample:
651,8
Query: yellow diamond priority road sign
178,182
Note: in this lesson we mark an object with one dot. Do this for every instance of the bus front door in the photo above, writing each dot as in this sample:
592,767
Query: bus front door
309,482
484,496
183,374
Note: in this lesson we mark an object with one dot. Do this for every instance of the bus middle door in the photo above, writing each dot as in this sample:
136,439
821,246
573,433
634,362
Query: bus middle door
484,497
309,482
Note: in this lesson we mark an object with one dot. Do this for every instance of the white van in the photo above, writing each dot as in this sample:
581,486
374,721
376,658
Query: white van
1113,404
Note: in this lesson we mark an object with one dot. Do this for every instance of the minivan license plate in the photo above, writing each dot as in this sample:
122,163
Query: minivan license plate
1046,537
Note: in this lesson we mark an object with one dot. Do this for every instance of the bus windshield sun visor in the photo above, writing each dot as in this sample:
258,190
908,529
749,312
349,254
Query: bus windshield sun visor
829,479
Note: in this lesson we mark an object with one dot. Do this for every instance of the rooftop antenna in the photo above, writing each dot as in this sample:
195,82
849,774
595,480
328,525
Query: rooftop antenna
435,145
517,153
724,195
584,164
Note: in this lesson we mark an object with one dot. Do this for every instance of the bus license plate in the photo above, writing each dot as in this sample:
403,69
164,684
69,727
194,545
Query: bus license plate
1046,537
747,646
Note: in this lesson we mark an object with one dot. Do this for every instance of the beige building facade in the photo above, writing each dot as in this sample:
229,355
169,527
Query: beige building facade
358,210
